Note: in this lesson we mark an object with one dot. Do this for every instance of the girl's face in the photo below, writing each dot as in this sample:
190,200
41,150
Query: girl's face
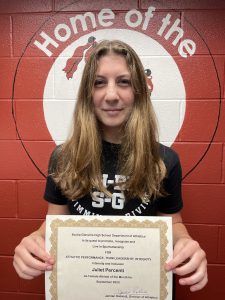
113,95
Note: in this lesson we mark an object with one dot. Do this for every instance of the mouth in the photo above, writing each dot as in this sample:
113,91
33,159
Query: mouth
112,109
112,112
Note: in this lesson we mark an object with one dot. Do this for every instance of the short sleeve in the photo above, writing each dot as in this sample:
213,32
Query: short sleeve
172,202
52,192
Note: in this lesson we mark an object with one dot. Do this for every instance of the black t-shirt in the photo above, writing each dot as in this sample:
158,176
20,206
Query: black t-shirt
99,204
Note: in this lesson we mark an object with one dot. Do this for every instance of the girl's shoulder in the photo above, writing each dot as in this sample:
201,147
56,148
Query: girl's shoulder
169,157
54,158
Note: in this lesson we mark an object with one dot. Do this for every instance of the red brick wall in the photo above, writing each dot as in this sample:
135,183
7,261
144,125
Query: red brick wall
21,185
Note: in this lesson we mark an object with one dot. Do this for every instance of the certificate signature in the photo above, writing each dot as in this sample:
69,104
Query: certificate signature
134,293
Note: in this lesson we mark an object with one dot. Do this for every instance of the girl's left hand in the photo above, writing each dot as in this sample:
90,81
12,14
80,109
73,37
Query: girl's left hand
189,260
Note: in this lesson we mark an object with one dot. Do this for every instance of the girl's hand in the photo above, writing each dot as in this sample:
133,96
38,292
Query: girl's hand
30,258
189,260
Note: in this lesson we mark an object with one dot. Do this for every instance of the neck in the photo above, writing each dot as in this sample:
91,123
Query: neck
112,135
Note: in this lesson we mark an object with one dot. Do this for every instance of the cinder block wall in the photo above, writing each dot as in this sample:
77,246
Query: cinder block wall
22,207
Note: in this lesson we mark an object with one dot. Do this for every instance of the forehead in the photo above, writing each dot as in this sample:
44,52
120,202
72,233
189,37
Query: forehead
112,63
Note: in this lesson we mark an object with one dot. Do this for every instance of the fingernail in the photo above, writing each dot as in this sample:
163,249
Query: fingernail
49,267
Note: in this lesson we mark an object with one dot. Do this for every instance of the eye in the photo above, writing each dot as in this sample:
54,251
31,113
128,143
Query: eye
124,82
99,82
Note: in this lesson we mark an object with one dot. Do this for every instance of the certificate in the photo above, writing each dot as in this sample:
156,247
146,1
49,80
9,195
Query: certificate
108,257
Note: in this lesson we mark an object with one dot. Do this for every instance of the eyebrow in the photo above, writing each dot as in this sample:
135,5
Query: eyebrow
120,76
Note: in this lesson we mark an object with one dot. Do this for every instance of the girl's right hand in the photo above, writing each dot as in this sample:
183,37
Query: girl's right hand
30,258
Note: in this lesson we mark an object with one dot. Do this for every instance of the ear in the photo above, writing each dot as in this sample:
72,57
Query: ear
148,76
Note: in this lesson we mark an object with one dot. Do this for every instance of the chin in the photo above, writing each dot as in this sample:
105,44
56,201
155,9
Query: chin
113,124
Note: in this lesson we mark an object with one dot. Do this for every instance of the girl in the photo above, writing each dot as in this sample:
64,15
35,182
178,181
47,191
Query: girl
112,164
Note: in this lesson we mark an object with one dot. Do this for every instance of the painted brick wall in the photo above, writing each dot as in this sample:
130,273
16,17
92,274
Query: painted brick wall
22,208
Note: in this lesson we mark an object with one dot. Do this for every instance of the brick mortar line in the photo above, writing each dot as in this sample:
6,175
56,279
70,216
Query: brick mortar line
17,199
21,293
219,239
223,165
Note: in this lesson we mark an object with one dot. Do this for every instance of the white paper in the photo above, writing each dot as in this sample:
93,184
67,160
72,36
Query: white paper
109,257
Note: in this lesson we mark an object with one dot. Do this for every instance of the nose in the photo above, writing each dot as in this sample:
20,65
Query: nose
111,92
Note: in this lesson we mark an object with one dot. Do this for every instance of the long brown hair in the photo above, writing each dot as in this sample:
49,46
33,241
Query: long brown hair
78,168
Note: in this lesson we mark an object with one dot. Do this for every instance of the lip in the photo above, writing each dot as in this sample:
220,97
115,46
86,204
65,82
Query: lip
112,112
112,109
